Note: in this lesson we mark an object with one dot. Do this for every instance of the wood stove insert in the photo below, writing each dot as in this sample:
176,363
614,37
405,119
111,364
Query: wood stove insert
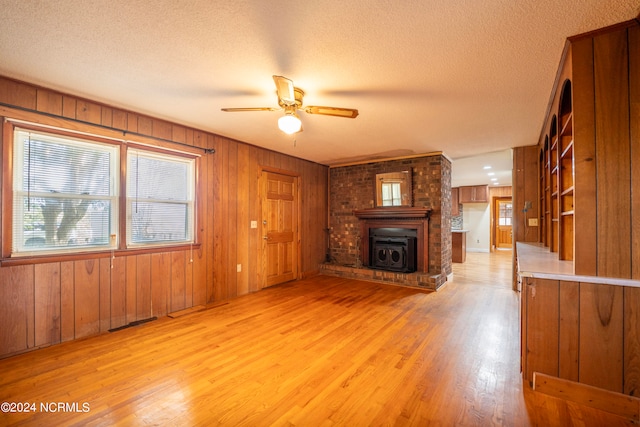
393,249
414,219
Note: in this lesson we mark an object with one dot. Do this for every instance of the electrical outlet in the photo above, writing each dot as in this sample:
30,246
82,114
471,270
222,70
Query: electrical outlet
239,268
254,224
533,222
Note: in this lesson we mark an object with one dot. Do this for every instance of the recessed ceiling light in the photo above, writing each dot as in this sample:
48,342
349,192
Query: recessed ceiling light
494,179
491,174
487,167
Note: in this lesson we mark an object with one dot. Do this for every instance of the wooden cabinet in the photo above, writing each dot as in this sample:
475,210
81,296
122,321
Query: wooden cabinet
455,202
540,301
458,246
564,330
586,164
579,320
567,332
474,194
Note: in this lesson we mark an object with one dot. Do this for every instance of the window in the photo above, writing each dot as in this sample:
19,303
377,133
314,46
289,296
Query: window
160,198
391,194
65,193
505,213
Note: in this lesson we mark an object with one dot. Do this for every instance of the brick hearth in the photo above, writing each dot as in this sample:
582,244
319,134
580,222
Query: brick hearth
414,280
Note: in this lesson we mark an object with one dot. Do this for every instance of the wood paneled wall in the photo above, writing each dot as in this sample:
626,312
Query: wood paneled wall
583,332
47,303
525,184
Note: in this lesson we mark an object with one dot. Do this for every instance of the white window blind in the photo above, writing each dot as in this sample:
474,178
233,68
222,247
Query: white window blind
65,193
160,198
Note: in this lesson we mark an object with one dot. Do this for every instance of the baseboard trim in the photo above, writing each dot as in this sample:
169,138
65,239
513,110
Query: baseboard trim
593,397
186,311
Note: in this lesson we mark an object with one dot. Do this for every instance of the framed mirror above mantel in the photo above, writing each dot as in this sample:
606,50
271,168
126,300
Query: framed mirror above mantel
393,189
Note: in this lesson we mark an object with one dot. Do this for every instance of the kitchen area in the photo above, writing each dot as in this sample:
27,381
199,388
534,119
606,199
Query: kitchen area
481,204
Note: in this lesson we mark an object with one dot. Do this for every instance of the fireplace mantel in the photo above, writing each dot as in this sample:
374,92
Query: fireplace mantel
401,217
393,212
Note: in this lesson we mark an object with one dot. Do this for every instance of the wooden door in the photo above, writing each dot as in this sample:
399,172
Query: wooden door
503,223
279,228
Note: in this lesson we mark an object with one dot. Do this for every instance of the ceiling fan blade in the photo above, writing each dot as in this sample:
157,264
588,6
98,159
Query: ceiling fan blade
235,110
349,113
284,87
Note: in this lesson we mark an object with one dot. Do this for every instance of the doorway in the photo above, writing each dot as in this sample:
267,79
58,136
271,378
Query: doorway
279,227
503,222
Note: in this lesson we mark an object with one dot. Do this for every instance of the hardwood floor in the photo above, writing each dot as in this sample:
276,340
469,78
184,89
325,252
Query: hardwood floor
322,351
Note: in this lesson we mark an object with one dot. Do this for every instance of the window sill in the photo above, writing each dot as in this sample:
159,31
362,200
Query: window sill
76,256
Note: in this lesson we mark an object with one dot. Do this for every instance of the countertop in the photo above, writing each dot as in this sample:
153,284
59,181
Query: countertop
535,260
459,231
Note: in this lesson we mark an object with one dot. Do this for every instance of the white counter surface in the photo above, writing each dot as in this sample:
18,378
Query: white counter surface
535,260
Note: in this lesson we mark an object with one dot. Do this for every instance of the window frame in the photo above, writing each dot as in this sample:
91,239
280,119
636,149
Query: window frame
394,188
505,221
190,202
113,196
100,135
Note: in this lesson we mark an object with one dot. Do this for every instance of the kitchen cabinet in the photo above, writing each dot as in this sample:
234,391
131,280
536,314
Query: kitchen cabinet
455,201
474,194
458,245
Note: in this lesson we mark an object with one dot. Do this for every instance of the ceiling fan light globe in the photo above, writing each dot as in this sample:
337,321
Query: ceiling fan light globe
289,124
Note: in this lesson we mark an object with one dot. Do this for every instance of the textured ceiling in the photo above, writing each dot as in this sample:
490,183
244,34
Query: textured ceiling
465,77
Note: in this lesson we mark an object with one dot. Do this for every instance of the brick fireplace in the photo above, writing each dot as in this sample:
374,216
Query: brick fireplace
352,214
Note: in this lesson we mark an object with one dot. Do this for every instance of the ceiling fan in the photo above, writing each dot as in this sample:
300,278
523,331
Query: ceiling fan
290,100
